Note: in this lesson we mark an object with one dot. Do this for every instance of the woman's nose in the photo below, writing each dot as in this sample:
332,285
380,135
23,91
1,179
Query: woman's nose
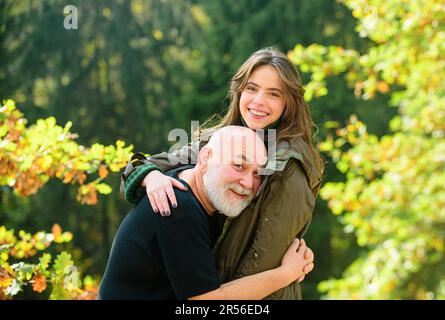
259,98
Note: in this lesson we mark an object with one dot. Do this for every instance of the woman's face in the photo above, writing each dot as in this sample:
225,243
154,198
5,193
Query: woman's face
262,101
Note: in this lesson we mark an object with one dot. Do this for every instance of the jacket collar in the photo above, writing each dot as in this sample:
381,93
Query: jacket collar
297,149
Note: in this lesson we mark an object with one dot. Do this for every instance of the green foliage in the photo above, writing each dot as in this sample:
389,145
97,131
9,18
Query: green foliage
18,271
136,69
393,198
30,156
321,61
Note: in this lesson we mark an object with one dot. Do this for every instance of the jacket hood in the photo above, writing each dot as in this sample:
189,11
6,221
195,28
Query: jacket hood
298,149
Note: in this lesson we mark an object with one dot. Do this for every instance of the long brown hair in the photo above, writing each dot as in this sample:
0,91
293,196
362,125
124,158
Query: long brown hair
296,119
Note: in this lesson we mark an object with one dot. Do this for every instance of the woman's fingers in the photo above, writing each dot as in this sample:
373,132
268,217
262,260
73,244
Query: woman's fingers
308,268
158,202
178,184
163,203
302,247
302,241
171,196
152,202
294,245
309,254
160,192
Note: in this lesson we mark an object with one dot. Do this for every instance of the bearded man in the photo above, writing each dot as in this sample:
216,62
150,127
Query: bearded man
156,257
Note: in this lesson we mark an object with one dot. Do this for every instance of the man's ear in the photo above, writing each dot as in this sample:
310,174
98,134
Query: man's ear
203,158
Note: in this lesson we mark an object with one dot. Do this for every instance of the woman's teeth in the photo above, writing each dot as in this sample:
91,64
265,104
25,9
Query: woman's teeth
258,113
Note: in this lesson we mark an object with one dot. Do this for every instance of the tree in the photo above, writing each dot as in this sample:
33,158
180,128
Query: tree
29,157
134,70
61,276
120,75
393,198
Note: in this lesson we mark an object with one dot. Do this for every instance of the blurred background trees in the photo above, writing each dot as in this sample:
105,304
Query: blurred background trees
29,158
134,70
393,195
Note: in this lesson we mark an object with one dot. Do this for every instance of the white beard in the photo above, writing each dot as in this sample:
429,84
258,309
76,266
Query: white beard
217,193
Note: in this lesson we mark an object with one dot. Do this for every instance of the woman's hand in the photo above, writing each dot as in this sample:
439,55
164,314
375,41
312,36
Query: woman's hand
159,187
294,260
308,255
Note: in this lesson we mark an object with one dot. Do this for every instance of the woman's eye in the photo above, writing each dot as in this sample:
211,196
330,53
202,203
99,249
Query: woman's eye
238,166
250,88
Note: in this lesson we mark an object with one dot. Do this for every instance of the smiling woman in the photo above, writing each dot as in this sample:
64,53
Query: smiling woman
262,101
265,93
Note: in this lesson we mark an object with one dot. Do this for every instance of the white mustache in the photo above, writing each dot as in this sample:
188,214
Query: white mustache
238,189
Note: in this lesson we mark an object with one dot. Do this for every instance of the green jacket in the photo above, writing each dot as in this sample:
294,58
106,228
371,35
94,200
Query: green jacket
257,239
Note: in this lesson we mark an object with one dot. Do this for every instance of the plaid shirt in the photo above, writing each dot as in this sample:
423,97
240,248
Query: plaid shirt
133,190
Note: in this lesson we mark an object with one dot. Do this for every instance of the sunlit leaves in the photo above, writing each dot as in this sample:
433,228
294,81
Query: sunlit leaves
393,198
200,15
14,288
39,283
61,276
61,264
103,188
321,62
29,156
44,260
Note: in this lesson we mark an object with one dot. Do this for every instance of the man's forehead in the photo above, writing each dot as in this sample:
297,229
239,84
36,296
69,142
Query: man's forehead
244,142
240,146
249,157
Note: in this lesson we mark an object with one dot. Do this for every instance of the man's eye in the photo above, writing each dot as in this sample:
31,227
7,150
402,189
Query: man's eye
258,176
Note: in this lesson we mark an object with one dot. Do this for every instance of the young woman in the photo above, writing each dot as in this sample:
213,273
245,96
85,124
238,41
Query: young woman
265,93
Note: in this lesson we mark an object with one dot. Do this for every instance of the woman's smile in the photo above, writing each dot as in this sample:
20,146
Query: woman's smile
262,101
257,113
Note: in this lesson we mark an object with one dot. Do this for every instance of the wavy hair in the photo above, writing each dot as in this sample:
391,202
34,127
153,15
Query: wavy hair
296,120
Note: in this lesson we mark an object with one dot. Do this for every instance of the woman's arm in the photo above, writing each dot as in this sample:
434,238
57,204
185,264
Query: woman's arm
262,284
140,166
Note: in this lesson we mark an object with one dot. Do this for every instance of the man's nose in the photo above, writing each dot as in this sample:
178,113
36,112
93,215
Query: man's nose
247,181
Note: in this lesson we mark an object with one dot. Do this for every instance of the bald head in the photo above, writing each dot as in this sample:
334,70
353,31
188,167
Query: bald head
228,168
235,144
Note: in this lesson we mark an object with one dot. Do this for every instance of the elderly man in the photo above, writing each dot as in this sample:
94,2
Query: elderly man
155,257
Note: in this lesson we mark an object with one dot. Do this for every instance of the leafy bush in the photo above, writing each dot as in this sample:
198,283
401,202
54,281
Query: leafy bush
393,199
58,274
29,157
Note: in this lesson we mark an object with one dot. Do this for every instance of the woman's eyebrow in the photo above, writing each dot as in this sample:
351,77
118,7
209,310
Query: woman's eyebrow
256,85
